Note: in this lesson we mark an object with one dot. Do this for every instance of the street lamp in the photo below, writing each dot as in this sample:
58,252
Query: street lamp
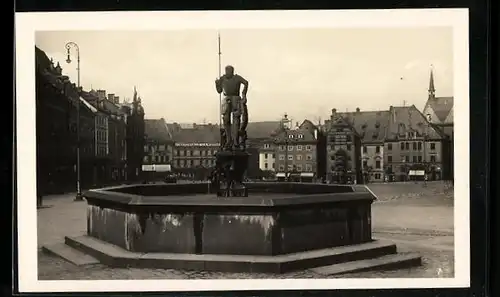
68,46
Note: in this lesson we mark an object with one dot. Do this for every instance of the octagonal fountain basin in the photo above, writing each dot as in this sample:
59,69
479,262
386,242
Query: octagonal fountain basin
278,227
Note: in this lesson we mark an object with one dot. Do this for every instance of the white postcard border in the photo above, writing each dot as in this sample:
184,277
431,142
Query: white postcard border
27,23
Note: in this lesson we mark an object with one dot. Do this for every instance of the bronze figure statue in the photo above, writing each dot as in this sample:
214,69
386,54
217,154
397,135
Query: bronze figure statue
234,105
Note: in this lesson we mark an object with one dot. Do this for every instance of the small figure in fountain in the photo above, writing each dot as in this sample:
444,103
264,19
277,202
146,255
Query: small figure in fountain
232,160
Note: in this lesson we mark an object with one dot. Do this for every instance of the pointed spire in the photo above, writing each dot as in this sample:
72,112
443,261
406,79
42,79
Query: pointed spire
135,94
432,90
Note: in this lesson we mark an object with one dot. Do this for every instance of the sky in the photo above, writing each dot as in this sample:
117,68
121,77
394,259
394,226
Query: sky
302,72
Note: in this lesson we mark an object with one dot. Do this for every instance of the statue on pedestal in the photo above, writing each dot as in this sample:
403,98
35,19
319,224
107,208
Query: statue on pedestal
234,105
232,160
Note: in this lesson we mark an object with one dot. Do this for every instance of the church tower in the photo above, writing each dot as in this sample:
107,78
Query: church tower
432,90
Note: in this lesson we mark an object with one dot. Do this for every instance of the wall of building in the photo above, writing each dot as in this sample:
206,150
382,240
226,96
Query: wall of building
372,161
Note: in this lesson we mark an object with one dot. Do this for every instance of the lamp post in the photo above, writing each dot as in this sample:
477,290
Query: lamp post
68,46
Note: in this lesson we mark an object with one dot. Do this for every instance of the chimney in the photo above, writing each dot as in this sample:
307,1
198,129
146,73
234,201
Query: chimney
117,100
357,109
393,113
101,94
111,98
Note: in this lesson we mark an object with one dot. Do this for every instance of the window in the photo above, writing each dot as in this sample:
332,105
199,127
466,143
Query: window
389,146
309,167
266,145
290,167
414,146
309,157
145,147
290,136
433,146
290,157
146,159
290,148
299,157
348,138
282,147
332,157
365,164
377,164
265,165
274,156
273,165
265,156
407,146
377,149
365,149
419,146
377,175
402,145
433,158
282,168
389,158
419,158
189,163
308,148
299,168
282,157
299,147
161,147
348,147
414,159
407,158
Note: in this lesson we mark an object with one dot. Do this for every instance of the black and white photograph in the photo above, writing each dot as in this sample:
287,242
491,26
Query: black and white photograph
174,151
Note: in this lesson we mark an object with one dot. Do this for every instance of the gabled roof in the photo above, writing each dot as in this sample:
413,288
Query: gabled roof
197,134
156,129
441,106
261,130
404,119
301,133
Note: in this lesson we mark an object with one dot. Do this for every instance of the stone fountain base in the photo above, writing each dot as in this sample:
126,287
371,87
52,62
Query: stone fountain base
280,227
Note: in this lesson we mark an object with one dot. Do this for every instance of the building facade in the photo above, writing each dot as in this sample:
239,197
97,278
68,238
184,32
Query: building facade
343,150
412,143
267,155
56,104
159,146
439,112
296,151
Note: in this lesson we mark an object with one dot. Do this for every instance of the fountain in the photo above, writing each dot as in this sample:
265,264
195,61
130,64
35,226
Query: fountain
232,226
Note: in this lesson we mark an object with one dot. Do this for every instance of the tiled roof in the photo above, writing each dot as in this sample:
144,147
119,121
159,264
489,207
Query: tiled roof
407,119
156,129
197,134
303,132
262,130
441,106
370,125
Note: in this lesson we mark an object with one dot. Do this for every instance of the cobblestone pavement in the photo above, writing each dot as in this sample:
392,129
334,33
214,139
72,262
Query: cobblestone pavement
417,219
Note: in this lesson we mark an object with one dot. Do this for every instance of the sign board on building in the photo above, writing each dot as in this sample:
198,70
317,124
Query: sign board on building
417,172
157,168
197,144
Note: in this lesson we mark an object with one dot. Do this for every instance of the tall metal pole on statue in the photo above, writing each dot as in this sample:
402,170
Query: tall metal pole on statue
220,74
68,46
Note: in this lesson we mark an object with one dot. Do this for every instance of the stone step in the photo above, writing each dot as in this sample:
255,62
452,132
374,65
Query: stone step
115,256
70,254
395,261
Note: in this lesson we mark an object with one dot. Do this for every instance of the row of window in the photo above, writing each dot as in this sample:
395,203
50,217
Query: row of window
297,147
101,136
414,145
191,163
415,159
158,148
297,157
192,153
378,164
299,167
157,159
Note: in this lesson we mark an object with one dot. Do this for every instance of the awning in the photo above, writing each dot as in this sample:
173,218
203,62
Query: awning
280,174
307,174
